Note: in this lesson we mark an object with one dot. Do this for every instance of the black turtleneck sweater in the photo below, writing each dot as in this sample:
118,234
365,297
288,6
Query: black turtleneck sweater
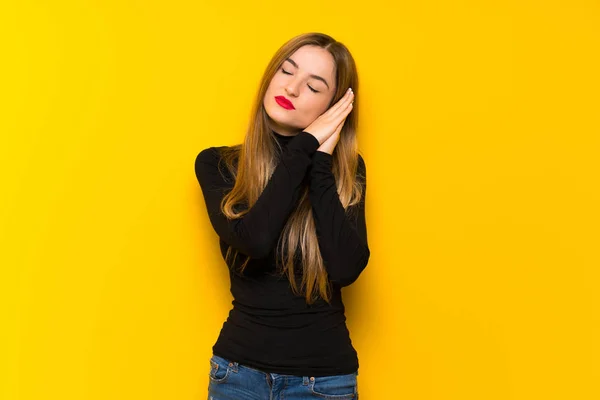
269,327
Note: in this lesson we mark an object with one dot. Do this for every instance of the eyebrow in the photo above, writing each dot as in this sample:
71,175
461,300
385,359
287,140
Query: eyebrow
311,75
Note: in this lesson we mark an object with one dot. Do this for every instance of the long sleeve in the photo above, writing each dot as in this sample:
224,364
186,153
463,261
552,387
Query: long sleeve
342,237
256,233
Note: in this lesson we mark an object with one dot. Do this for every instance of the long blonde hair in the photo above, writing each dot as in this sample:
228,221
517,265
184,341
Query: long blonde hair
253,162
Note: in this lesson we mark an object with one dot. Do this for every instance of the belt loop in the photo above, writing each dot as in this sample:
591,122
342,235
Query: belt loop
305,380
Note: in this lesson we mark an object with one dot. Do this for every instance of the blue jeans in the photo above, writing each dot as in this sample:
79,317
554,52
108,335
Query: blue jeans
229,380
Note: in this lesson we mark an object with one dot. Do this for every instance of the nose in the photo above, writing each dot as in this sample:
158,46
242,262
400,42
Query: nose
292,88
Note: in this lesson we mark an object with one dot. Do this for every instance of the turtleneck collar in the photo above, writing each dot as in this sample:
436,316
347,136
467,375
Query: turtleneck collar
282,139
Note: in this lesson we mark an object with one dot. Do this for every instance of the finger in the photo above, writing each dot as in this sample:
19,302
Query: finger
340,126
342,112
342,103
347,99
350,107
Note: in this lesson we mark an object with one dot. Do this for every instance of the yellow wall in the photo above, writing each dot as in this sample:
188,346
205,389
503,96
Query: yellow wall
480,129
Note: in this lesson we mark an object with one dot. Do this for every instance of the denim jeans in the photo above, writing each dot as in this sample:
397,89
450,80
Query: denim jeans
229,380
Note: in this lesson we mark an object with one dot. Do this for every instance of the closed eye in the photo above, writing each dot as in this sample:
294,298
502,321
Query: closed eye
287,73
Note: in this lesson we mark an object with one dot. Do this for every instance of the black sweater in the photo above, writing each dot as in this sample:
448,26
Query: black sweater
269,327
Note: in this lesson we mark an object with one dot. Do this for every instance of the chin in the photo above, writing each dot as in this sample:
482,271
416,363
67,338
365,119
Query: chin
278,118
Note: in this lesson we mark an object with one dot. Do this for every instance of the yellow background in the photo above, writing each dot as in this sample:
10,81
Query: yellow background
480,129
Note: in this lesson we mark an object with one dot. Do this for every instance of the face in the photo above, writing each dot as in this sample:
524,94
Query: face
307,80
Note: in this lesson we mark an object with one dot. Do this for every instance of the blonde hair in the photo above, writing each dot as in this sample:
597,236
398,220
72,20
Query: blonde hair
253,162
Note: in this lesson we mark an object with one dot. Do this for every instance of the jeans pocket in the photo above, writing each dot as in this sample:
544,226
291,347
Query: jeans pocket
335,386
219,369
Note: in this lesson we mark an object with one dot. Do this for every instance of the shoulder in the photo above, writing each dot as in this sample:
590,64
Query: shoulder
207,161
362,166
361,170
361,160
209,166
209,155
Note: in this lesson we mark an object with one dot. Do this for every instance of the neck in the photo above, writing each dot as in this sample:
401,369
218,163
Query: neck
283,130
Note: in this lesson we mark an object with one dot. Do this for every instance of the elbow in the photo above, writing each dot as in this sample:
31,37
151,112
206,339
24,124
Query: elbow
253,244
259,251
350,272
258,247
254,251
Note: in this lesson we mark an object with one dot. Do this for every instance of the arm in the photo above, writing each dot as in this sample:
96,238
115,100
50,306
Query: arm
257,232
342,238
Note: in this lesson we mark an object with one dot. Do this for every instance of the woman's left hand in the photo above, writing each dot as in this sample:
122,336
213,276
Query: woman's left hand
329,144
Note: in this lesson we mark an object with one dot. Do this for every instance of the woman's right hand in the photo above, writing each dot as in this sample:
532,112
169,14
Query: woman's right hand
326,124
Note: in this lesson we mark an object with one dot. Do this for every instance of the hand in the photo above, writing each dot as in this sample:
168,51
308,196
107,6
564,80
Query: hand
329,144
329,122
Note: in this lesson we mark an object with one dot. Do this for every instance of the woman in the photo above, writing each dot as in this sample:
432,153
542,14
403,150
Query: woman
288,206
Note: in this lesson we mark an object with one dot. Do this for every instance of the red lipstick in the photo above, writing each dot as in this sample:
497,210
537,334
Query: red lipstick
285,103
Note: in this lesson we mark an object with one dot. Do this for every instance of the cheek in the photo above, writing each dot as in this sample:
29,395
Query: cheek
276,81
317,107
270,94
309,111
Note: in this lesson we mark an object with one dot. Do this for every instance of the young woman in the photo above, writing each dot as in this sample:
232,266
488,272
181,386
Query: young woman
288,205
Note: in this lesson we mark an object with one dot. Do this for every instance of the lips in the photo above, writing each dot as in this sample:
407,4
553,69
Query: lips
285,103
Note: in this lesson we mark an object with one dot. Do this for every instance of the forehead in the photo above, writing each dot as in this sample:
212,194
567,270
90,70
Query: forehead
315,60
